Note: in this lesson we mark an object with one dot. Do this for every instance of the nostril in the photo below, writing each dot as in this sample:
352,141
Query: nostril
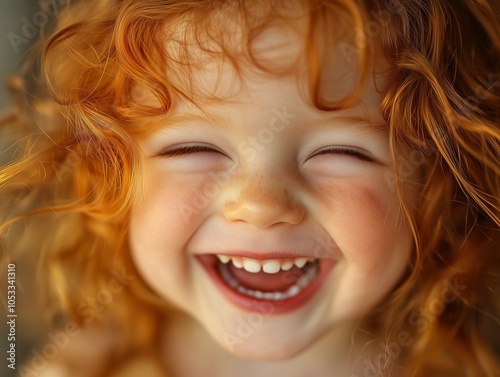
264,213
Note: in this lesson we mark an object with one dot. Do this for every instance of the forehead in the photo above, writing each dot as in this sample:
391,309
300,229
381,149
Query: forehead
213,60
231,54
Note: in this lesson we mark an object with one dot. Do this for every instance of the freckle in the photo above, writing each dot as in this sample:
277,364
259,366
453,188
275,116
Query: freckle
230,205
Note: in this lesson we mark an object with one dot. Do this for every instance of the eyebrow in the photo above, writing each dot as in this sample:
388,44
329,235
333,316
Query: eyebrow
181,120
217,122
360,123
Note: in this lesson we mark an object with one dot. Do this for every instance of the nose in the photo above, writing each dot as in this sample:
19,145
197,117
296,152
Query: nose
263,201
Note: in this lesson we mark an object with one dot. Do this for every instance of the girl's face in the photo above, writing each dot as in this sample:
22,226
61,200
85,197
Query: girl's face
263,179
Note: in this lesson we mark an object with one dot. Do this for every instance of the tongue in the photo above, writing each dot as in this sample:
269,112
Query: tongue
261,281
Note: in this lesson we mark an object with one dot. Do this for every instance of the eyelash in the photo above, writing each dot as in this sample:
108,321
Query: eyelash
188,149
345,151
183,151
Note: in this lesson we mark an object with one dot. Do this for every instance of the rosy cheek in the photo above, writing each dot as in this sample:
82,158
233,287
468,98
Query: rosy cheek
363,221
169,208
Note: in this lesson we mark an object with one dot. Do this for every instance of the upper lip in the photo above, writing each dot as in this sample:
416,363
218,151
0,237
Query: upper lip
237,240
266,255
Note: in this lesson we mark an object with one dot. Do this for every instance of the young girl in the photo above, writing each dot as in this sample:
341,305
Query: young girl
262,188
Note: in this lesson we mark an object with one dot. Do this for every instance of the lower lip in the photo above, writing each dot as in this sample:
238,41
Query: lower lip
253,304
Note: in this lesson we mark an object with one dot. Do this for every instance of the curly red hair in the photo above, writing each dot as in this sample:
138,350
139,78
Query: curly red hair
81,123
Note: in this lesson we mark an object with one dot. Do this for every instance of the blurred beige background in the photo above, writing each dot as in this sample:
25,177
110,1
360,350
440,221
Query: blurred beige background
12,16
14,47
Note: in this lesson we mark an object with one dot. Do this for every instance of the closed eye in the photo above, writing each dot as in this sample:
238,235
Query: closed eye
188,149
352,152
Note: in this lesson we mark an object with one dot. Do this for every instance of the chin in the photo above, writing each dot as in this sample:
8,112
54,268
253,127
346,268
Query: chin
264,348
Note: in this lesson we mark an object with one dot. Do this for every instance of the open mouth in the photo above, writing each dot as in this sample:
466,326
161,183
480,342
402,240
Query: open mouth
287,283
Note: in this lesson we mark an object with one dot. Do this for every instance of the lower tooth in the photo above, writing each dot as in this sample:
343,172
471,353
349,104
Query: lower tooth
279,296
293,291
243,290
303,282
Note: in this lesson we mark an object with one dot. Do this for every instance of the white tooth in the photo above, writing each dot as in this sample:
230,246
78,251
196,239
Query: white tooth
237,263
300,262
242,290
287,266
269,295
292,291
304,281
271,267
223,258
251,265
258,294
279,296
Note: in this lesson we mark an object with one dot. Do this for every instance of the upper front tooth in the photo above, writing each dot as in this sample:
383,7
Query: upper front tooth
251,265
271,266
237,262
300,262
223,258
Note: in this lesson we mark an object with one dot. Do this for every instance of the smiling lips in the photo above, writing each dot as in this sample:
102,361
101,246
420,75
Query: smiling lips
276,286
288,282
